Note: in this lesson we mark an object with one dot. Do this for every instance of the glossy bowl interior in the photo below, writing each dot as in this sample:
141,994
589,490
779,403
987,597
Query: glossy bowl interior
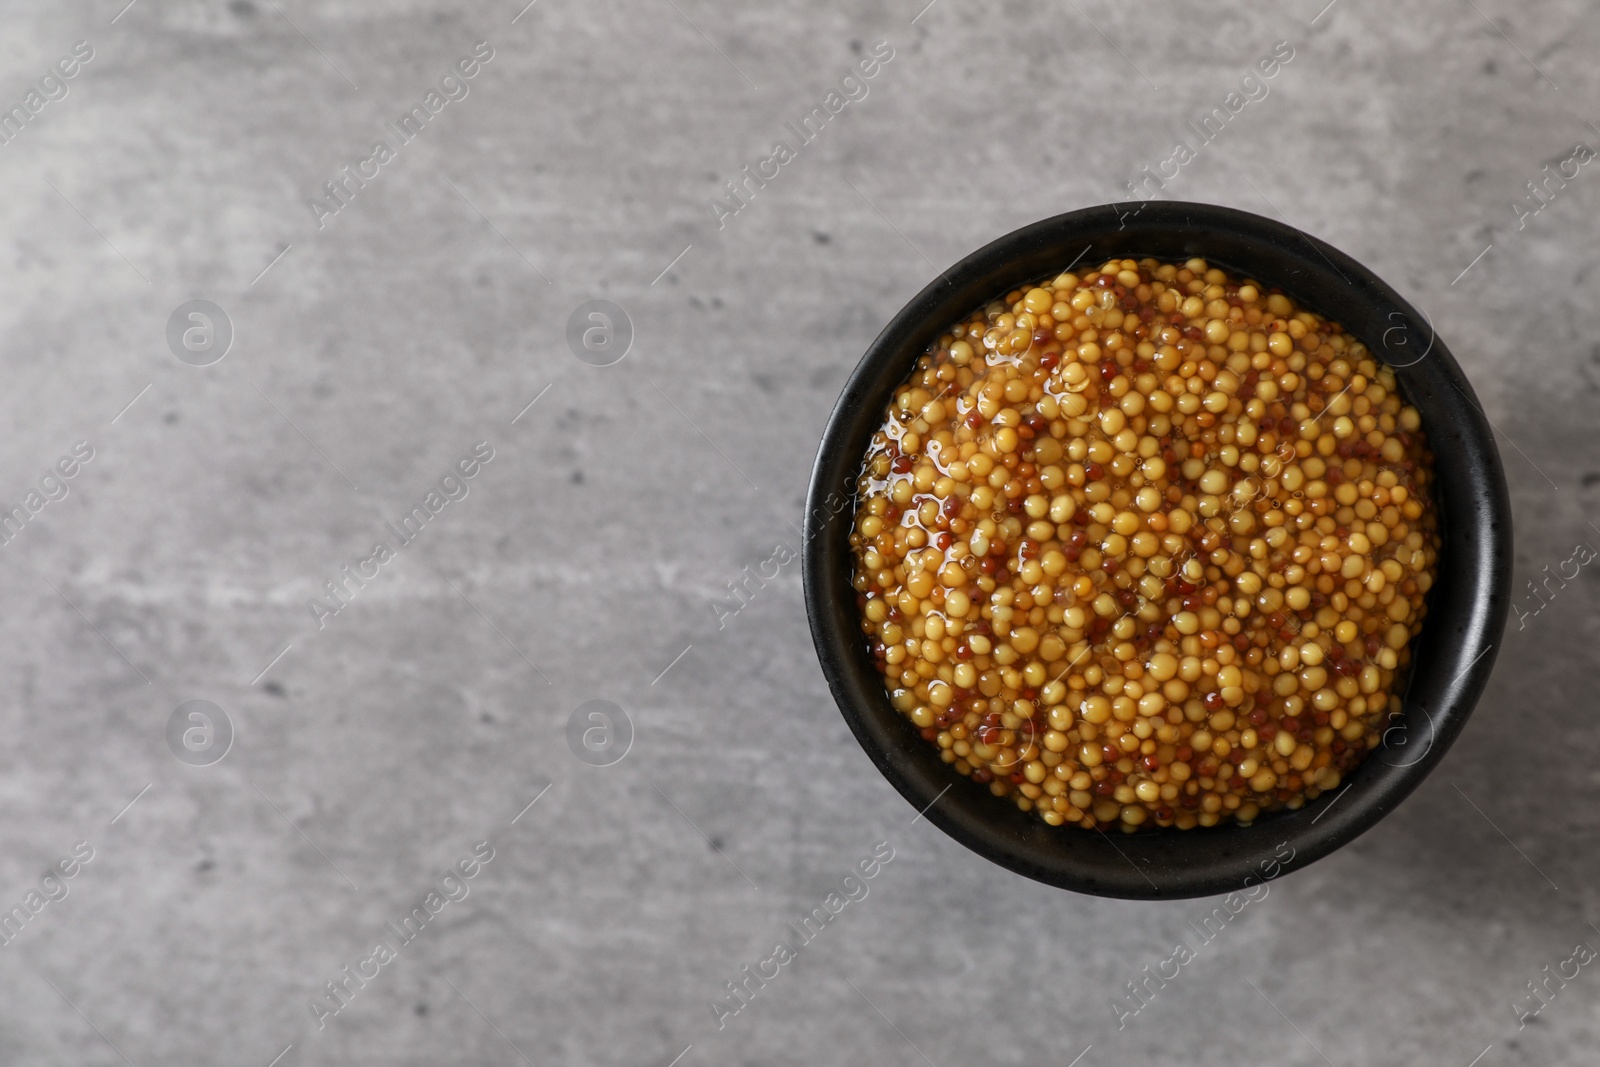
1452,656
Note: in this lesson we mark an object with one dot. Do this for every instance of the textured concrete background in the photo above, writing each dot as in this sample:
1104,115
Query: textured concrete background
422,719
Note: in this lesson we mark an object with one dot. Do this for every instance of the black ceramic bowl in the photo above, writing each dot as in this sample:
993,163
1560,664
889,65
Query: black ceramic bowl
1452,656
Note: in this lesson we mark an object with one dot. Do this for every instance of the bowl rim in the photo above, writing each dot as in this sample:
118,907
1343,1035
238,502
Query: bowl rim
1453,653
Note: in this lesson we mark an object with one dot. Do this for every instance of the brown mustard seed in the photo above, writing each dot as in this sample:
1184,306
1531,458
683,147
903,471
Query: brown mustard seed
1146,547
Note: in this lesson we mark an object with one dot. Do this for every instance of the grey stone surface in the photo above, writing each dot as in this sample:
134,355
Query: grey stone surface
425,314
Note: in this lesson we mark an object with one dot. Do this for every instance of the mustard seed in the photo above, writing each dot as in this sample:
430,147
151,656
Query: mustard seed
1147,546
